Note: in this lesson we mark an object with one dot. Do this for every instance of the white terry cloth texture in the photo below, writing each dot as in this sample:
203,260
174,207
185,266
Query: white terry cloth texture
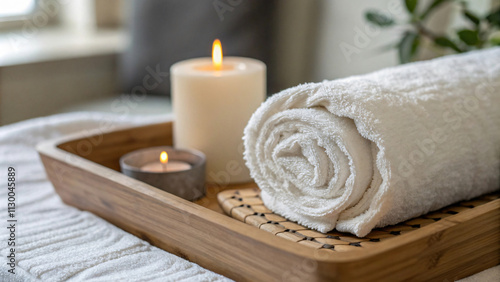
373,150
55,242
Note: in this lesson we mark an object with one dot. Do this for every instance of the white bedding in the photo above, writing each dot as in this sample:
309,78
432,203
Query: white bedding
56,242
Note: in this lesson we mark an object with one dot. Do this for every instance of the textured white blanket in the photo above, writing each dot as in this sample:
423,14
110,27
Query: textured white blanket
377,149
55,242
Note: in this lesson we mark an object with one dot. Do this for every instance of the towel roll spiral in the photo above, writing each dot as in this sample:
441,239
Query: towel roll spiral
373,150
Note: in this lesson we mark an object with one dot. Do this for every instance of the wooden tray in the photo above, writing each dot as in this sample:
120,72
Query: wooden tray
246,205
85,173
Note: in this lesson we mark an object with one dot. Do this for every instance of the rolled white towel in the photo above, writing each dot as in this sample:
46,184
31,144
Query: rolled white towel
377,149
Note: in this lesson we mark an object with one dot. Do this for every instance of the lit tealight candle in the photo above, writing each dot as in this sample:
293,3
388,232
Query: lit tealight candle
179,172
164,165
213,99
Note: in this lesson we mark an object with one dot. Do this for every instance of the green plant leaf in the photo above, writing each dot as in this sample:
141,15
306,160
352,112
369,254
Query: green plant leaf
494,18
411,5
408,46
495,41
445,42
473,18
379,19
431,7
469,37
414,46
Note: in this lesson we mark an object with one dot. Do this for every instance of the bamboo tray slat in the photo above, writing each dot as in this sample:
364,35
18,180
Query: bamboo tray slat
246,205
84,170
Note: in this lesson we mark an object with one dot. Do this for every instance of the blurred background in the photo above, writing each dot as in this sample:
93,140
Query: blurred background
95,55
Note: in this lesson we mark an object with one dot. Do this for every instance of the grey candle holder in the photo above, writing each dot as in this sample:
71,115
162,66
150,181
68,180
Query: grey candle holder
187,184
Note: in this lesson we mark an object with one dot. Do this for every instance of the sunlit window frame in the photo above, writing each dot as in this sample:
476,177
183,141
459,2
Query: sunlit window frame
16,22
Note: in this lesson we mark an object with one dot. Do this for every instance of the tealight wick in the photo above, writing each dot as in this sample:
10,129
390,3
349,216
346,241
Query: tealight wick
164,160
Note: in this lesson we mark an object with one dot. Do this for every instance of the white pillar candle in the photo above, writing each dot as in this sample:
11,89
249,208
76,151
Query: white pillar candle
213,101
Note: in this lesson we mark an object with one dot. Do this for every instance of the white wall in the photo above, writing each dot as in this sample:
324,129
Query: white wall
342,26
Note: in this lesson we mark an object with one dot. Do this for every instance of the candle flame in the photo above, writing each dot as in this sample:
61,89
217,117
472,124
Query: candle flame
164,157
217,54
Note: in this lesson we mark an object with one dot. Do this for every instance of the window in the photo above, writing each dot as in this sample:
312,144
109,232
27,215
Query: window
15,8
